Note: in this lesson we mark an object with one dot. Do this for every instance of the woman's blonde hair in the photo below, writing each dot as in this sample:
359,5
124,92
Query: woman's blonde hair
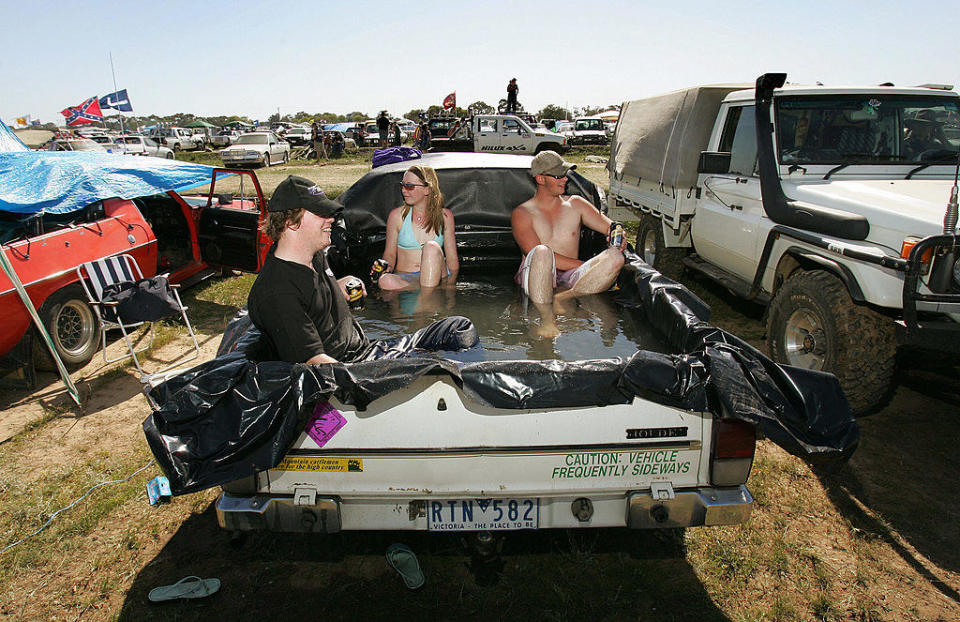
428,176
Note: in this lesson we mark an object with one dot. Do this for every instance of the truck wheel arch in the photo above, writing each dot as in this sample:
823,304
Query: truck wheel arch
797,258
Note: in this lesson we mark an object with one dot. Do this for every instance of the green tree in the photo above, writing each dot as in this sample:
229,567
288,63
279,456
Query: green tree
553,112
414,115
481,107
274,117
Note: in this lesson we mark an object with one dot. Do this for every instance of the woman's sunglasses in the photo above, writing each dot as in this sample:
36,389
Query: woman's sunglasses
407,186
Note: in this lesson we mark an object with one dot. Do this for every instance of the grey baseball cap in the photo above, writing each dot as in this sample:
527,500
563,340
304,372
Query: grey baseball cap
300,193
550,163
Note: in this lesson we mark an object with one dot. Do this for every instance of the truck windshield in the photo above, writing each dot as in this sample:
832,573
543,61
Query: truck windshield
590,124
867,129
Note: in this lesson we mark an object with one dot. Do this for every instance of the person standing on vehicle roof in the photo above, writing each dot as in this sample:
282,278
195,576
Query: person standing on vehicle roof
547,229
301,308
512,90
383,127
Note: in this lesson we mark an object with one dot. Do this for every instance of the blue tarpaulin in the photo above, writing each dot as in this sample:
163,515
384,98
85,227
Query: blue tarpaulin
10,141
62,182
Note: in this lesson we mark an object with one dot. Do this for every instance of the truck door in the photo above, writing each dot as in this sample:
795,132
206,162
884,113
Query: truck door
515,136
229,232
485,135
727,222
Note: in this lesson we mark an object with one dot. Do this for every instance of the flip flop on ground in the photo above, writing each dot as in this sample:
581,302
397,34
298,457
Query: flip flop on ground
187,587
404,561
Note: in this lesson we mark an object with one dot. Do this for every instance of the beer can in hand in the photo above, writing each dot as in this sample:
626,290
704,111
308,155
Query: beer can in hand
616,235
379,267
354,292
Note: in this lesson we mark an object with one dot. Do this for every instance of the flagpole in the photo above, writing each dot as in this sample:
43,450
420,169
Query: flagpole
115,89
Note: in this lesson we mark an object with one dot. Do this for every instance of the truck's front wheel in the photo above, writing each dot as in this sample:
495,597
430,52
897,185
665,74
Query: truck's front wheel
650,246
813,323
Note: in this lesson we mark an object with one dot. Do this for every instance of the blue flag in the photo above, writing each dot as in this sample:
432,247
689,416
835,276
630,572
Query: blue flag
118,101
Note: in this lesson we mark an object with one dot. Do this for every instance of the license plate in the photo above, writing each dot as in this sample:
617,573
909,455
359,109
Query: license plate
482,514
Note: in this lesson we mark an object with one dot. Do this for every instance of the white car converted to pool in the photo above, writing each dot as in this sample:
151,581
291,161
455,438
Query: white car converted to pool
432,443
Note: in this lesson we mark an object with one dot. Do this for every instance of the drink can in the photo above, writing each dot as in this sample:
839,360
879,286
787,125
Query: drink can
354,292
616,235
379,267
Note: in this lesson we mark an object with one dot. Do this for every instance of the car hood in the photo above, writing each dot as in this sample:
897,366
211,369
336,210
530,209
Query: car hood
894,208
246,148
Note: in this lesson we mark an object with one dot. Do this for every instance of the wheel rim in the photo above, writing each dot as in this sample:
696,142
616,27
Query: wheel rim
75,327
804,340
649,246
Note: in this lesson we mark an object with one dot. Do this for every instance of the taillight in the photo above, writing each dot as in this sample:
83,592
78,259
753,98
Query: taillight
733,448
733,439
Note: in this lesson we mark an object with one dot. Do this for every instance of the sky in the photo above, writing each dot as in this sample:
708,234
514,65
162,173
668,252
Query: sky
257,58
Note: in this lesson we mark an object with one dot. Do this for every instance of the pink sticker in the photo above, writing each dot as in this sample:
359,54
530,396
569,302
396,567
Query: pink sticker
326,422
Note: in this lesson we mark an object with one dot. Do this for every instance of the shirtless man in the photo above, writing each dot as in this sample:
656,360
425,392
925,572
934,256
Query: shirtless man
547,229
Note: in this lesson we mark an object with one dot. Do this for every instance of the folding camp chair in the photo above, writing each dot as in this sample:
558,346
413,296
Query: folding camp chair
95,276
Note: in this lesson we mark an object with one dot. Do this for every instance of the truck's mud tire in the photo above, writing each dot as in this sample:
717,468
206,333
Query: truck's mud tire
548,147
73,327
650,246
813,323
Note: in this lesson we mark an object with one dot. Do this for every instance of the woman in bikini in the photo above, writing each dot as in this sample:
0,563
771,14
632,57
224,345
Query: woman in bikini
421,247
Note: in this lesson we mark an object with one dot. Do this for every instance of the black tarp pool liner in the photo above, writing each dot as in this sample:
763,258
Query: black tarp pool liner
234,416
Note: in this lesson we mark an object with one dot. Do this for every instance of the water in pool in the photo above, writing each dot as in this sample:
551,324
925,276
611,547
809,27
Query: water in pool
511,327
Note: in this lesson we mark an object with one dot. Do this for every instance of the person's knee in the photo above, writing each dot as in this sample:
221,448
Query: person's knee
614,258
431,252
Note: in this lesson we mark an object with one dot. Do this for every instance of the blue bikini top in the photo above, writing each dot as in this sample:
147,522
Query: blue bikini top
407,240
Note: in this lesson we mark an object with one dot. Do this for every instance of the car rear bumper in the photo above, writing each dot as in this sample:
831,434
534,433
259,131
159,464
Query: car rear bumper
308,512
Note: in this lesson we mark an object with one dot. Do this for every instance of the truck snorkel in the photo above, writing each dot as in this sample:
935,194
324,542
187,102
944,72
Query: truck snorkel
784,211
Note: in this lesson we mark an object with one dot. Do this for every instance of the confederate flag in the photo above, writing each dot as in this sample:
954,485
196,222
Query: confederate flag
450,101
87,112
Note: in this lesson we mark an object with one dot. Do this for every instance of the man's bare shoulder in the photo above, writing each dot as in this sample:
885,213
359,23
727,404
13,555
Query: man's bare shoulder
577,201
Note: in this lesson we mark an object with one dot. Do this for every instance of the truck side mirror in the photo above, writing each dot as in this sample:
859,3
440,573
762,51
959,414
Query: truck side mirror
714,162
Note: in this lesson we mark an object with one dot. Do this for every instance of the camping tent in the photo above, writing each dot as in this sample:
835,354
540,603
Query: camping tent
200,123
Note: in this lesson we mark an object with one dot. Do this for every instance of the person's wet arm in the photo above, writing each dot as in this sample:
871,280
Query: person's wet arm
394,221
593,219
450,244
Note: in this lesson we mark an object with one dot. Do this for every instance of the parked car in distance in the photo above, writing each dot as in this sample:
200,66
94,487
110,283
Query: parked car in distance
176,138
297,135
589,131
74,144
224,138
256,149
142,145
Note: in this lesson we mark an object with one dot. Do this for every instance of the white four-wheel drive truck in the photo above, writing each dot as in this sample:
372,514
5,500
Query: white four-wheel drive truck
834,206
498,133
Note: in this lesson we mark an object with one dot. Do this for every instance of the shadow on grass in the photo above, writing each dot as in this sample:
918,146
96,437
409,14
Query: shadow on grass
902,480
606,573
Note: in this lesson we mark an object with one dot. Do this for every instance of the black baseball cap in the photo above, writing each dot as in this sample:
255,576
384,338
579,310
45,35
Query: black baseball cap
300,193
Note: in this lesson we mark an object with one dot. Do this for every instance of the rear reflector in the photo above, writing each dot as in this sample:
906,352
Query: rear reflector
733,439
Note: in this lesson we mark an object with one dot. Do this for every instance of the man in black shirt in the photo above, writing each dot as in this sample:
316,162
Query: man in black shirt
299,305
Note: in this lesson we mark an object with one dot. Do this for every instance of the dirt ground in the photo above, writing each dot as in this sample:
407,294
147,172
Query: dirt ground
876,538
